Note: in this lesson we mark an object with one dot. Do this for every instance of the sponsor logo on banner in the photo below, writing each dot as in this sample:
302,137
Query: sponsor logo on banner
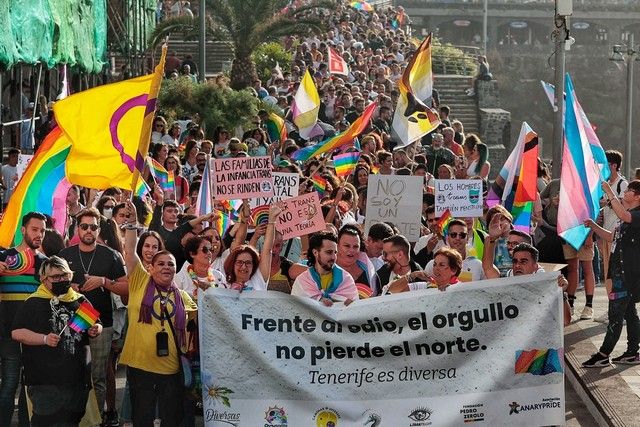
420,417
472,413
326,417
275,417
226,417
546,403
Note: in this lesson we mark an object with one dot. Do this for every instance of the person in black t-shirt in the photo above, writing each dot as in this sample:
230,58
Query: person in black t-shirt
55,355
97,271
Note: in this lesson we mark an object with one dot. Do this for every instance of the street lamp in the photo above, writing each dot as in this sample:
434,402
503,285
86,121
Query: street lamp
629,55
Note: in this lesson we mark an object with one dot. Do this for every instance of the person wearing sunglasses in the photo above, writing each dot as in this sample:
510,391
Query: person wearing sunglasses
198,272
457,238
98,271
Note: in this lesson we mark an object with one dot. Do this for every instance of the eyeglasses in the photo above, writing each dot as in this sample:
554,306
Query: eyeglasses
85,227
240,263
455,235
58,277
206,249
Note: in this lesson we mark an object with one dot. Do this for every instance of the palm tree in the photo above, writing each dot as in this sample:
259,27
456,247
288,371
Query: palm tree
246,24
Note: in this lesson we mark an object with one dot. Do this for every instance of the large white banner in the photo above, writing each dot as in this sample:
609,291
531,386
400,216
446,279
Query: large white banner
490,352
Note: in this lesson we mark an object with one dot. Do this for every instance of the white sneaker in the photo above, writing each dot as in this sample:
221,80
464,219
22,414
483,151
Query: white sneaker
602,319
587,313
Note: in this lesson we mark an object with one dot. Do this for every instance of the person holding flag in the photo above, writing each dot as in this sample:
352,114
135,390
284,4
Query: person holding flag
55,350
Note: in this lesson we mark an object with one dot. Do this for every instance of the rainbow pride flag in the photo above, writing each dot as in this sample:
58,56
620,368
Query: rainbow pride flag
222,224
164,178
42,188
538,362
85,317
276,128
346,163
319,183
443,222
344,138
515,187
142,189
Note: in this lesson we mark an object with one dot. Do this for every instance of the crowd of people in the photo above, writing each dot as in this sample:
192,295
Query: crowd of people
141,262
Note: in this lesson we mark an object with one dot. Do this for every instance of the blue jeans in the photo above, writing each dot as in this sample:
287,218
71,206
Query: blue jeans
11,370
622,309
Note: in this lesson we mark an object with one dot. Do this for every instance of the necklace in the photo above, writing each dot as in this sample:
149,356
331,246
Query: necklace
86,269
211,280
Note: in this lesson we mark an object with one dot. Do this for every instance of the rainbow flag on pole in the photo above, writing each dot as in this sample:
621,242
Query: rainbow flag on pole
344,138
85,317
345,163
443,222
319,183
142,189
222,224
42,188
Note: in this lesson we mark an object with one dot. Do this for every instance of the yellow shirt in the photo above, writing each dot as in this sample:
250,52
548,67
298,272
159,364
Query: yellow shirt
326,280
139,349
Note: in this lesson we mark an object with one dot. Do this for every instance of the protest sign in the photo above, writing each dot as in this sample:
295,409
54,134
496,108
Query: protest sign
23,162
285,186
463,197
396,199
301,215
242,178
487,351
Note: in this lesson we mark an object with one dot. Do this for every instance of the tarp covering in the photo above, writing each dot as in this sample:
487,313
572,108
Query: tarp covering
73,32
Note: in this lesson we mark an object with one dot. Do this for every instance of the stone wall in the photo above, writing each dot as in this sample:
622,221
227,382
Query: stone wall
495,131
495,124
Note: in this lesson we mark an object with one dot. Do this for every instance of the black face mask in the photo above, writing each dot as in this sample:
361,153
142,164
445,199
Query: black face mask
60,288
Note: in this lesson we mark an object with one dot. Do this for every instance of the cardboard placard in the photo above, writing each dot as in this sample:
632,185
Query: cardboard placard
463,197
23,162
302,215
396,199
242,178
285,186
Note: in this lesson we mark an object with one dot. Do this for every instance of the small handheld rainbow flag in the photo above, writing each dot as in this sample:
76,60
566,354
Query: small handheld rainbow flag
443,222
319,183
142,189
222,224
171,182
160,174
85,317
346,163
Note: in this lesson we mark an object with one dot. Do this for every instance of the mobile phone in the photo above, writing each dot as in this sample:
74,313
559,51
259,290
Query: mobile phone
162,344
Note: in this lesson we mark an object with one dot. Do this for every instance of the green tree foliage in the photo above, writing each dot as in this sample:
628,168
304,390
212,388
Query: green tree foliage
247,24
213,104
267,55
448,59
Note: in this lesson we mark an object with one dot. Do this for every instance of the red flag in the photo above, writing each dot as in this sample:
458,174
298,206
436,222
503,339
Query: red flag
337,64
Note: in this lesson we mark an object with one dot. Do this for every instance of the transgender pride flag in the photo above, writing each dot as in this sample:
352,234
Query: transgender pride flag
594,142
580,176
203,202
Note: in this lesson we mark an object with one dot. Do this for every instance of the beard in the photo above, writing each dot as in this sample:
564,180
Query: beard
326,266
88,239
31,243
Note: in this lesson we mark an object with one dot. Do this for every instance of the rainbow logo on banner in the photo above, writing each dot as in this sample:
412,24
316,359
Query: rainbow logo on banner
538,362
260,215
85,317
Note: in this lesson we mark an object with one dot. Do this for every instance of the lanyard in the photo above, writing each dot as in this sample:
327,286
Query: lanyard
163,306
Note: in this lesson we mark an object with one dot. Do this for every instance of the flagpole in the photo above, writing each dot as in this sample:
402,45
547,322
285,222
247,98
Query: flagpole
562,35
